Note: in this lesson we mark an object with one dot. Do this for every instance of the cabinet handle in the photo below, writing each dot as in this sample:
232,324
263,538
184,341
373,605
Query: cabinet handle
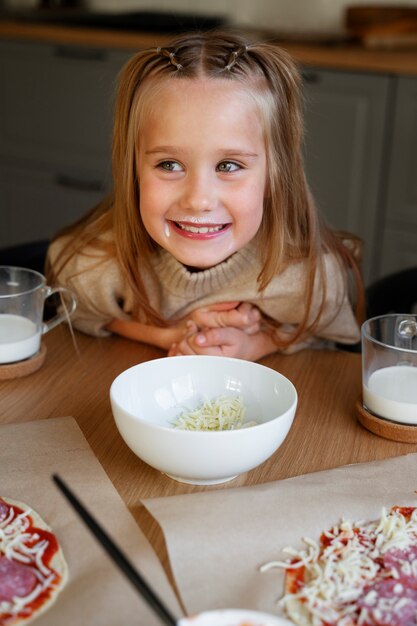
310,77
80,184
80,54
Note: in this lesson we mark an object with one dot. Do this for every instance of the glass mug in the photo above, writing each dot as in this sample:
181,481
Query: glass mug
389,367
22,297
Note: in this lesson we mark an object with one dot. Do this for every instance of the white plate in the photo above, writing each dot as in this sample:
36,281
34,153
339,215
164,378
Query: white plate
234,617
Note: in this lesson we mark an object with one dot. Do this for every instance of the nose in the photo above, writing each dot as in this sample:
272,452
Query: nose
199,193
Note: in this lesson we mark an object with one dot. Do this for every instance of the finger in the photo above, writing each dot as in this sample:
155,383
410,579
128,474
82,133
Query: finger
215,337
203,348
244,316
184,348
238,318
179,349
190,328
216,319
251,311
204,316
252,330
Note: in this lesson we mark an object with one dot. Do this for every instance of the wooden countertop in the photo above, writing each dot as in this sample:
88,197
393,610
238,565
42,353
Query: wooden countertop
81,36
340,56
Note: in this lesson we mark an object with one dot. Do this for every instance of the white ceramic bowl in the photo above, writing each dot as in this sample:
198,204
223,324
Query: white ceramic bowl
233,617
148,397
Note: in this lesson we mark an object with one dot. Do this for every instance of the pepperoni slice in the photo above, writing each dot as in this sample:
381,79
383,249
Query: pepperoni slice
15,579
4,510
404,563
392,604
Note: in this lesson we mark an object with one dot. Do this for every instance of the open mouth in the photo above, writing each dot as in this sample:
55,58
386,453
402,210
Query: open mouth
199,230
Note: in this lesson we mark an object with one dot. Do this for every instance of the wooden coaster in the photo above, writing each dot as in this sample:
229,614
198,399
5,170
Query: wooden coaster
8,371
406,433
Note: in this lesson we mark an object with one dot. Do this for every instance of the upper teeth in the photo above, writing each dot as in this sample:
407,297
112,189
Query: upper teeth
199,229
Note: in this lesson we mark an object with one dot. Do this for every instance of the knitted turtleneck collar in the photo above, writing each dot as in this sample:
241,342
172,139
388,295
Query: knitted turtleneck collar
181,281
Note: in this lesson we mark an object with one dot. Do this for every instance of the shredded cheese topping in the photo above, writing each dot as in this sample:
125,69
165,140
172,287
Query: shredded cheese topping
221,413
28,548
356,575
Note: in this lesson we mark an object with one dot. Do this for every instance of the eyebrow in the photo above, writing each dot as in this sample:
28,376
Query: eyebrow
159,149
227,152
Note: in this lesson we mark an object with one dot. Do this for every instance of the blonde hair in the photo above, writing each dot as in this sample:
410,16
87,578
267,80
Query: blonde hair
290,229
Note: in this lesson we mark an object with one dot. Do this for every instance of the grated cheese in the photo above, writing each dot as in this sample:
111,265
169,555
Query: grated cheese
221,413
342,577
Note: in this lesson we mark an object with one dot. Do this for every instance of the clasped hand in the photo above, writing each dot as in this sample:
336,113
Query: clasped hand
230,329
226,329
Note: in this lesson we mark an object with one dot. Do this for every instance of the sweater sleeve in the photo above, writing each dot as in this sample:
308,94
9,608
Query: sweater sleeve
97,283
337,320
284,301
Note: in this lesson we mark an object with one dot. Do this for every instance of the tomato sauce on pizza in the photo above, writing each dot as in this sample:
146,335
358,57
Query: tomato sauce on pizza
358,574
32,567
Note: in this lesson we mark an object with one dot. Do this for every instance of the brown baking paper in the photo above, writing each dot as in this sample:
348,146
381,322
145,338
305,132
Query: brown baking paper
96,592
218,540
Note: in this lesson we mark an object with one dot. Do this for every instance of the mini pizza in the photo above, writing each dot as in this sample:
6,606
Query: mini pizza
32,567
359,574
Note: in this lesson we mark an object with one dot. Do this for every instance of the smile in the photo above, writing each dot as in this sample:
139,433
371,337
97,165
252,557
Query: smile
200,229
192,230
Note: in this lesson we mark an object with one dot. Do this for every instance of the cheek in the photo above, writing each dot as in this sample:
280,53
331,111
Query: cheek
154,195
251,201
149,198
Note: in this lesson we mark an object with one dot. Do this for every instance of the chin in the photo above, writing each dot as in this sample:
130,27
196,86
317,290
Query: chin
199,265
201,261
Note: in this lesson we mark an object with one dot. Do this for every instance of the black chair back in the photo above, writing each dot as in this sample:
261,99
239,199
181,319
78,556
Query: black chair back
396,293
31,255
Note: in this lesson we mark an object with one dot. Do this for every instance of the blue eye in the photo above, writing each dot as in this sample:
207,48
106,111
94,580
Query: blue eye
228,166
169,166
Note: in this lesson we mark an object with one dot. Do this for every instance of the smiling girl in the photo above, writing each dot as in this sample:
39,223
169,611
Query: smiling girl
210,242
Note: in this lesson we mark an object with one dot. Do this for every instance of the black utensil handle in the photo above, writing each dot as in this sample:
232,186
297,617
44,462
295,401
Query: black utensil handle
117,555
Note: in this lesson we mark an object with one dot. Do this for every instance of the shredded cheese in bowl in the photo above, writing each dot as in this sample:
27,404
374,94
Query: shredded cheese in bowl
221,413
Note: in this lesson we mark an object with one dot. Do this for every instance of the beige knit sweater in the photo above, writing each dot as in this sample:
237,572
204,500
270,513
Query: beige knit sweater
174,291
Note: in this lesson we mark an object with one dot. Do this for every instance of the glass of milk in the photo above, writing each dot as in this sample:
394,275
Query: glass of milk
22,296
389,367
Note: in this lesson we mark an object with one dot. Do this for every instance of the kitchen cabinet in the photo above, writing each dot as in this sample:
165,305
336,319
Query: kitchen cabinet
361,161
56,115
55,135
36,203
347,127
399,234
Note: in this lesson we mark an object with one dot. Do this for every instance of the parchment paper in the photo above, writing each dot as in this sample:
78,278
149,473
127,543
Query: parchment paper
96,593
217,540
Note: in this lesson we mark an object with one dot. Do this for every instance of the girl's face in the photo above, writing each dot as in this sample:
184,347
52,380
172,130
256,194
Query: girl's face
202,170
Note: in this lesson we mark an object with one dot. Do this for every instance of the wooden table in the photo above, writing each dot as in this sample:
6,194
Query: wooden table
75,380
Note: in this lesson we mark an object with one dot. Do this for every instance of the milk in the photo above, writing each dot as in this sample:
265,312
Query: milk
19,338
392,393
